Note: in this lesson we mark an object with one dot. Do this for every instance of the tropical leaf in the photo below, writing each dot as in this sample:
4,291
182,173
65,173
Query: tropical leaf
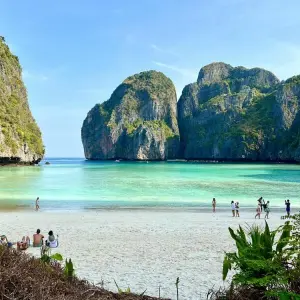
57,257
284,238
226,267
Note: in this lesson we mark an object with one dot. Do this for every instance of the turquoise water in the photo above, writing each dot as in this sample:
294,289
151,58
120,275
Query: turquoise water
76,183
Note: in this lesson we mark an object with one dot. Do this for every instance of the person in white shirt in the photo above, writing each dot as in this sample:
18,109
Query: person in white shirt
233,208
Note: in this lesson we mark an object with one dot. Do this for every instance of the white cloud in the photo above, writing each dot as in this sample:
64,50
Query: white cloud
192,74
161,50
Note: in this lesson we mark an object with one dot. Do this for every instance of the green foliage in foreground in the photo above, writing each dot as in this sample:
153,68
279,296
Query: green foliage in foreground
258,257
268,262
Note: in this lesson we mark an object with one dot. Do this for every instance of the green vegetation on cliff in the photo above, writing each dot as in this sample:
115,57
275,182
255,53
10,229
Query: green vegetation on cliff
19,131
139,121
238,113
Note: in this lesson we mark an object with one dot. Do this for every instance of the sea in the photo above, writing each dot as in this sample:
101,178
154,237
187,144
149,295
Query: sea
75,183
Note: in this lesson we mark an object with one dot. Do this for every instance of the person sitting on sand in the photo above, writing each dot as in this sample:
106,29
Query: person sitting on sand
24,244
51,241
4,241
258,211
38,239
237,209
233,208
214,204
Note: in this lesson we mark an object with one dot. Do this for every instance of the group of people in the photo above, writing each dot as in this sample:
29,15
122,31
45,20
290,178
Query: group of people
235,208
38,241
261,206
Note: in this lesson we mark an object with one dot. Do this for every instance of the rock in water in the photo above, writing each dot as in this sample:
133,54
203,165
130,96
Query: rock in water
20,137
138,122
238,113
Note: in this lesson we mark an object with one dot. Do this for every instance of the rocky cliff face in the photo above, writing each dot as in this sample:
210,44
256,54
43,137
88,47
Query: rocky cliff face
20,137
238,113
138,122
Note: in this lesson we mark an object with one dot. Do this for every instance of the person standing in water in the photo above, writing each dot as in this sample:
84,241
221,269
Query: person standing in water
267,210
237,209
37,207
258,211
233,208
214,204
288,207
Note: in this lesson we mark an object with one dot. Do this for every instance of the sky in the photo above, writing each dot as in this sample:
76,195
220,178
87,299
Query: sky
75,53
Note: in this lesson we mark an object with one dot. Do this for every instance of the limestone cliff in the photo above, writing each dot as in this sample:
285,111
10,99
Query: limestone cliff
138,122
238,113
20,137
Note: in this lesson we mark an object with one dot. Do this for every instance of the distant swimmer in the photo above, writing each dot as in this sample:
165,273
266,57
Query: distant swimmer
37,207
214,204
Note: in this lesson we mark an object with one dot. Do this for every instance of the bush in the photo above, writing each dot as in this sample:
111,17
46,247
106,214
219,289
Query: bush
24,277
267,264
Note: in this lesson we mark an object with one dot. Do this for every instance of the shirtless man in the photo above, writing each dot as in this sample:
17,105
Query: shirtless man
38,239
37,207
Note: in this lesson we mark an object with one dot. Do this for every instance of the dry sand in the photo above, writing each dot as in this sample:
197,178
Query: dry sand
139,248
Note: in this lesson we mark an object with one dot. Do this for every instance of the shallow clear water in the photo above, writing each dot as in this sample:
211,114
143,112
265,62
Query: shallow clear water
76,183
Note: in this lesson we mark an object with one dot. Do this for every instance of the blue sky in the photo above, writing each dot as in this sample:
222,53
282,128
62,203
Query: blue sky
75,53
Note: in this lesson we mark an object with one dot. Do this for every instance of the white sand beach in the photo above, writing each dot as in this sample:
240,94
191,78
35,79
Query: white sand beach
139,248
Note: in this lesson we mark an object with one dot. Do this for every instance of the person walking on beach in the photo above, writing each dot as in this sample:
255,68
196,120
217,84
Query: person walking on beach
37,207
237,209
261,203
267,210
233,208
214,204
288,207
258,211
